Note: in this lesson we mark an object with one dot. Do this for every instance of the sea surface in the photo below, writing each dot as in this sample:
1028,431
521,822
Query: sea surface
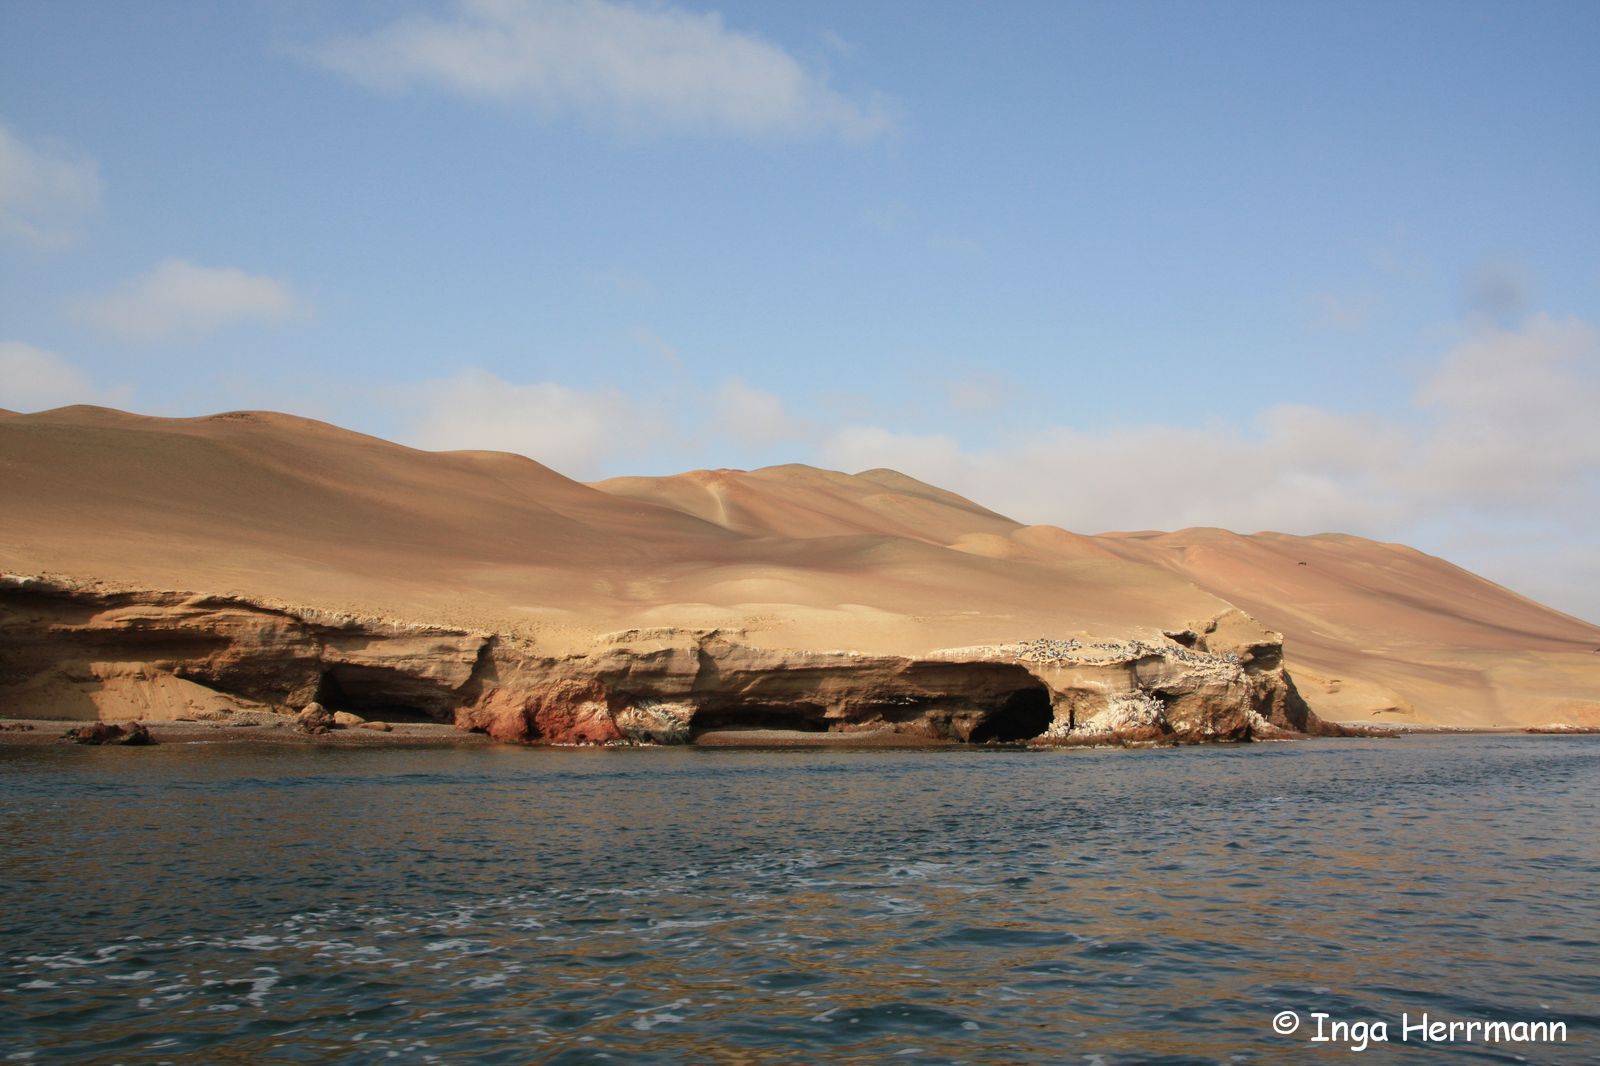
235,904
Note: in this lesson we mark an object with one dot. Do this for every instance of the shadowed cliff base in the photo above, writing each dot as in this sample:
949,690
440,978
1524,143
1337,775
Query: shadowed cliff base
397,584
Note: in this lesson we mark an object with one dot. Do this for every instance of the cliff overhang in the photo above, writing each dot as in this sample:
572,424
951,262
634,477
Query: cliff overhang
89,653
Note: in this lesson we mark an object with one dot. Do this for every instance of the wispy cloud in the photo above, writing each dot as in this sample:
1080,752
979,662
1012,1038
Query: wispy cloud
1343,314
635,66
574,431
32,379
984,393
658,346
177,298
753,417
45,193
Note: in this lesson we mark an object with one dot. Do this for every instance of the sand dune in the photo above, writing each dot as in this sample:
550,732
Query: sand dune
802,501
1371,623
300,512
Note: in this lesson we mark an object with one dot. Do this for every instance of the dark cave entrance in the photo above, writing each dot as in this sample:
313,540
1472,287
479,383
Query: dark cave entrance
800,718
359,696
1025,714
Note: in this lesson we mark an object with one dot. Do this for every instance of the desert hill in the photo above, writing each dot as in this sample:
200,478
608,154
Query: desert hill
295,511
1386,628
802,501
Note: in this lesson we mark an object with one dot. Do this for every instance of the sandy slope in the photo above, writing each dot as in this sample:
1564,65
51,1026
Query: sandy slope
802,501
288,509
1386,628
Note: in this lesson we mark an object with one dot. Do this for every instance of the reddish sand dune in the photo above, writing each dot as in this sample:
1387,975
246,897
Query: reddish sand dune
292,510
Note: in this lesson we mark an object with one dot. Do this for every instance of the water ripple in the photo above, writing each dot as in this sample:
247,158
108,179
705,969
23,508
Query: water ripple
744,907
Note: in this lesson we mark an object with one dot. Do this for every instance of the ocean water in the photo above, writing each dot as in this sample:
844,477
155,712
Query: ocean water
266,905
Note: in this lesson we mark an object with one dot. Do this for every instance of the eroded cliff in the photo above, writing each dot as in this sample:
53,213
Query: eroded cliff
93,654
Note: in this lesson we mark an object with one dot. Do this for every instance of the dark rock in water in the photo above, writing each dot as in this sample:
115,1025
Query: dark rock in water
16,727
134,735
97,733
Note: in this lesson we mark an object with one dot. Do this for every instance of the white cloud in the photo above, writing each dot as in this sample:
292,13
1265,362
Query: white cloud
32,379
1514,416
44,194
640,67
1504,441
1507,418
571,430
176,298
753,417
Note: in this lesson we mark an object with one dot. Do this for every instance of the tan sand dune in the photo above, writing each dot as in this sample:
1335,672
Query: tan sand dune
802,501
295,511
306,513
1385,628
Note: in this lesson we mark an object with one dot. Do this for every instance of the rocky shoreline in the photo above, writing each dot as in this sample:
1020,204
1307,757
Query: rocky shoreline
94,654
48,732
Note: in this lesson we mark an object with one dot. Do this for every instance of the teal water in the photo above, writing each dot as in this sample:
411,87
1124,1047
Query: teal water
262,905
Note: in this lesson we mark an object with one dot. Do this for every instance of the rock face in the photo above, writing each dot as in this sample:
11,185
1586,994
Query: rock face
665,685
1221,679
88,654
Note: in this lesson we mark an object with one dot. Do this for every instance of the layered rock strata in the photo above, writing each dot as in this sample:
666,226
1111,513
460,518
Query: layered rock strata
92,654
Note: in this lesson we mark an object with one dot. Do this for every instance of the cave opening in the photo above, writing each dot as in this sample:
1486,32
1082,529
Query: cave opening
1024,714
799,718
370,702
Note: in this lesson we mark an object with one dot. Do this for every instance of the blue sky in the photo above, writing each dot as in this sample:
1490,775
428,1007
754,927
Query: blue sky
1294,266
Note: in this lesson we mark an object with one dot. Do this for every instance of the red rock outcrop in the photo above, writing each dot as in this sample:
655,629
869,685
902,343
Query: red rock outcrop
565,711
